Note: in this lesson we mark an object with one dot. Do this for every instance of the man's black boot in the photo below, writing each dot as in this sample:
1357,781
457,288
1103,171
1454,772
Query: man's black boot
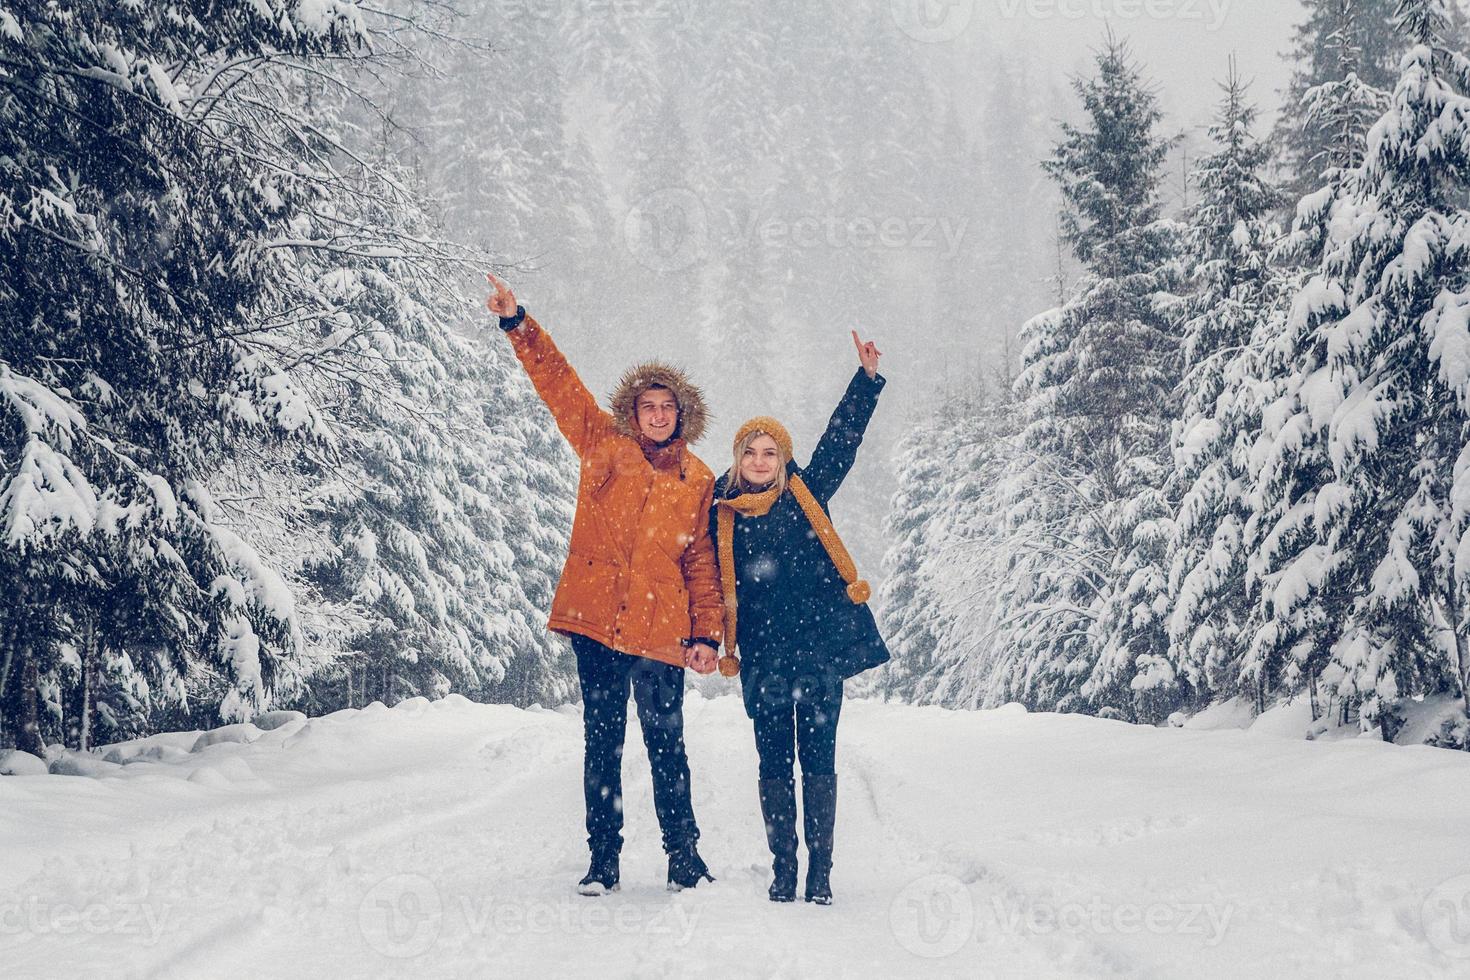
602,876
686,868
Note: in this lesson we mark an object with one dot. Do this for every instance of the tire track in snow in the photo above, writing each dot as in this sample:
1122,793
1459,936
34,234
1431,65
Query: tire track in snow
201,954
523,755
995,897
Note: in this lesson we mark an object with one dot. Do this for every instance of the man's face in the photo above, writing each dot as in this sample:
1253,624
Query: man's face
657,413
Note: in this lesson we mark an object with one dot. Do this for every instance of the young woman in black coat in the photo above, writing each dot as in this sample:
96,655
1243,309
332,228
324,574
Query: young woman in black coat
797,613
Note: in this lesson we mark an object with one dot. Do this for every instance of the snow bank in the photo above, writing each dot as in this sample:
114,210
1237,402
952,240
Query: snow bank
243,732
1235,713
17,763
271,720
1423,720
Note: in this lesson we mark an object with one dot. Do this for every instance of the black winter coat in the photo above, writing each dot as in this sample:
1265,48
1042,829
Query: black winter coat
795,619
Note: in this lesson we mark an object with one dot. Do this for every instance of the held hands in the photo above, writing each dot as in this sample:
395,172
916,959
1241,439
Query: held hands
701,658
503,303
868,353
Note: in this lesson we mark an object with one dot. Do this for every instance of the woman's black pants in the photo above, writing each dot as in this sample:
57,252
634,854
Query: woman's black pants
796,717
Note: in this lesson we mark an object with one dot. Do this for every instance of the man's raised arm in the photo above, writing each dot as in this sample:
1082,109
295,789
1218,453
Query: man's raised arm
576,412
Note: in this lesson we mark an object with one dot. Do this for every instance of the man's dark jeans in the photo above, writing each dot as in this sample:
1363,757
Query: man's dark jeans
658,691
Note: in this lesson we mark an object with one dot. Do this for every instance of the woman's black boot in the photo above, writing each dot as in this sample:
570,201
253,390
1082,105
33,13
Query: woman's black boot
778,807
819,803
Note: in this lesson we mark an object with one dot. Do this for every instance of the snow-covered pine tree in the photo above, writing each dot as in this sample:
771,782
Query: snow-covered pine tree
529,477
903,600
1229,312
1369,435
950,552
273,325
1097,377
130,274
1345,51
441,550
427,544
1053,575
409,530
947,560
1288,638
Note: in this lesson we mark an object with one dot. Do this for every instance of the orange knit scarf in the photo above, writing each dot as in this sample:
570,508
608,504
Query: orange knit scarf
755,505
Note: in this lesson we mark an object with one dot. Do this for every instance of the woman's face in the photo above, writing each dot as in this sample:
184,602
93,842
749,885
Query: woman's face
760,461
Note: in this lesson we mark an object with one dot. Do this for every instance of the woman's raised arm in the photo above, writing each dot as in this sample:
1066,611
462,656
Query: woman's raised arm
837,449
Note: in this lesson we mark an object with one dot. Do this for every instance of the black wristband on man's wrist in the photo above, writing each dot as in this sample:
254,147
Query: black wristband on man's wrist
696,640
511,322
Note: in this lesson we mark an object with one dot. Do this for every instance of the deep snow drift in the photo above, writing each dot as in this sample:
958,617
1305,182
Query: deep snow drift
443,839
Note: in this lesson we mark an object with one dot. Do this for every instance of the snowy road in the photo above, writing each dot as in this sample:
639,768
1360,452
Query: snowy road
443,840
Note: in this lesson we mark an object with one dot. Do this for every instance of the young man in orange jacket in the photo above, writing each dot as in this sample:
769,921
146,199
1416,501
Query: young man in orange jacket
639,594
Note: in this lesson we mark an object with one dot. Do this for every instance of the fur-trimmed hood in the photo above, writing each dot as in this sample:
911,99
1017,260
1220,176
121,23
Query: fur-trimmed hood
693,415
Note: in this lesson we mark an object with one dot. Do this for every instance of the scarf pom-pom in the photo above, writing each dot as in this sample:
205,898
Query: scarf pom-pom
859,592
729,665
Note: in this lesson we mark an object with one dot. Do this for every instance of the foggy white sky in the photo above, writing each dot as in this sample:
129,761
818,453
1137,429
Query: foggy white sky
1184,44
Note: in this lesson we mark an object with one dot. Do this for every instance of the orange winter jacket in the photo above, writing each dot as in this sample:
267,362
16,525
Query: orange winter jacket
641,575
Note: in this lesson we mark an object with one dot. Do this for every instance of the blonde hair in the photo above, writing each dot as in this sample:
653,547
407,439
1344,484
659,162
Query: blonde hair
737,483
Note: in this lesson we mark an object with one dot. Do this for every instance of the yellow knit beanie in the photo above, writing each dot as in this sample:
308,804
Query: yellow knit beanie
769,426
